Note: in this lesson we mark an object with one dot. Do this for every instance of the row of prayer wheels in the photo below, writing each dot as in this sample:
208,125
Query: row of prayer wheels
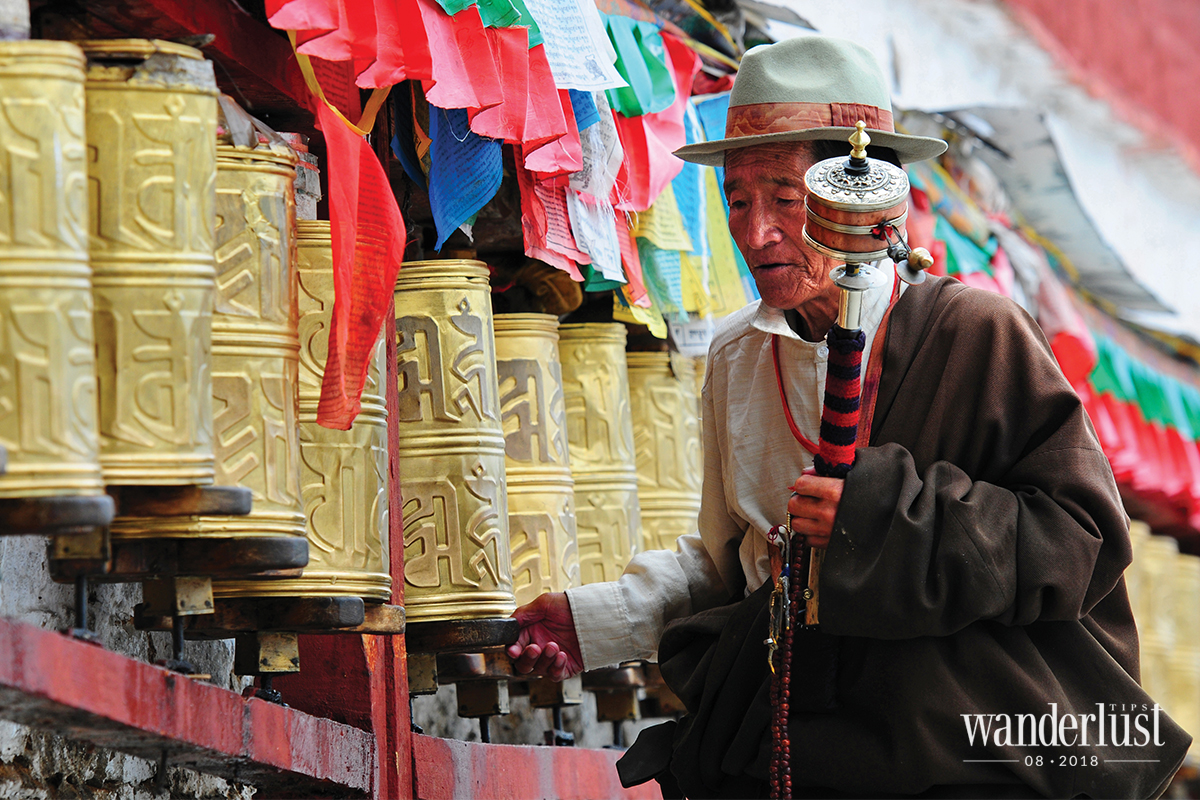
534,457
1164,591
164,319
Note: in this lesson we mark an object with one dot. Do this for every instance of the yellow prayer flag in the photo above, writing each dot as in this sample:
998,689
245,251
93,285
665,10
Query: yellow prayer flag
695,292
651,317
662,224
724,282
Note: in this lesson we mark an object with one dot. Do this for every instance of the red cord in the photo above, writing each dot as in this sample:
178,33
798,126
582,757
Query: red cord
804,441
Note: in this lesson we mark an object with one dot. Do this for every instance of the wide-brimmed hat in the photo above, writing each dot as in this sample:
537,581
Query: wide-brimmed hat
807,88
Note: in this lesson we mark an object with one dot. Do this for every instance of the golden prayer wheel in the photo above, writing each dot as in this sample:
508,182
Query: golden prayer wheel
255,353
48,417
541,492
666,442
1155,558
151,131
343,474
457,563
600,436
1184,659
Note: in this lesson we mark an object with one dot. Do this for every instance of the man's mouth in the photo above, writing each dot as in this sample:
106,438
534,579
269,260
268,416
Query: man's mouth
772,265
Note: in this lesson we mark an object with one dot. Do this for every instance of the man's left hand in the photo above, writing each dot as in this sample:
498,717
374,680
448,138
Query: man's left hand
813,507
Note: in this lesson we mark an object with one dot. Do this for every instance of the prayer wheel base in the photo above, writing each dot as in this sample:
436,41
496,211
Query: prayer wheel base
266,653
461,635
378,619
660,700
422,674
455,667
53,515
618,706
482,698
181,501
545,693
235,616
134,560
614,678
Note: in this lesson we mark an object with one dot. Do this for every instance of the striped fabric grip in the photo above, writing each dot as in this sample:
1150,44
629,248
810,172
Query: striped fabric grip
839,416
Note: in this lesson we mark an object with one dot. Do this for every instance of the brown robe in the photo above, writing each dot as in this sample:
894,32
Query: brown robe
975,568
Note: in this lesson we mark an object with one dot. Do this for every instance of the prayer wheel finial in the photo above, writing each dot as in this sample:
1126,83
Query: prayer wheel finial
859,139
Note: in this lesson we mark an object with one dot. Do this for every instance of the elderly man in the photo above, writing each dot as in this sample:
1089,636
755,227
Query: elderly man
973,557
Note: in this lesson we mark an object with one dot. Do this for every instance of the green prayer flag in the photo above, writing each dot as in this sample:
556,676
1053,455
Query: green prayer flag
642,62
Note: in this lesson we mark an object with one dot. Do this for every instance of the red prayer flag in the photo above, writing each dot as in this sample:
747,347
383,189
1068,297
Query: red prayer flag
633,265
368,246
510,50
401,50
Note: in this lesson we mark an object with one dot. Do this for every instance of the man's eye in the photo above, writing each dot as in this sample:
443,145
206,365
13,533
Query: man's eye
787,201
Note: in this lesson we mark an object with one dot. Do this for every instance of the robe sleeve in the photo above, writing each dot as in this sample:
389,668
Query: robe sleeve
1001,507
623,620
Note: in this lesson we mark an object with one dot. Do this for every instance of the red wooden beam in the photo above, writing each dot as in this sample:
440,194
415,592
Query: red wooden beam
86,693
447,769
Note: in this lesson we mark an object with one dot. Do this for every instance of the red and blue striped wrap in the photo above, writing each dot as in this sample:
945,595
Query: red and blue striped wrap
843,398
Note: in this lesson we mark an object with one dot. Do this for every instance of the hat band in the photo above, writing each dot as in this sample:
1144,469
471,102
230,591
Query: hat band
757,119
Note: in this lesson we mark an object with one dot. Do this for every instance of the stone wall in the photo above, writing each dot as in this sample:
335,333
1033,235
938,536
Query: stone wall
39,765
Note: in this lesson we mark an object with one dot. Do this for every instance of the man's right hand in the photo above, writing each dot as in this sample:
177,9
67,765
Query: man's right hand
547,644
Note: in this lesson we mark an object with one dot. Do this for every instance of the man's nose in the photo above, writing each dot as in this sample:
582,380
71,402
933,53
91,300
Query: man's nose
763,229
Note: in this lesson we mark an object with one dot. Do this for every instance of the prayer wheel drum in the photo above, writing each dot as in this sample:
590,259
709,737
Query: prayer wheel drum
343,474
457,562
541,491
255,373
151,125
1184,659
600,438
47,353
666,441
849,200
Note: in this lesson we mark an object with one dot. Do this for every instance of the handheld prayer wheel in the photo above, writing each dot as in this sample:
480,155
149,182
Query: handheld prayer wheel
343,474
255,373
151,135
541,491
666,442
600,439
48,417
457,562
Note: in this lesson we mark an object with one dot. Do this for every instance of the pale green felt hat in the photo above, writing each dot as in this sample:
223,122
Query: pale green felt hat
808,88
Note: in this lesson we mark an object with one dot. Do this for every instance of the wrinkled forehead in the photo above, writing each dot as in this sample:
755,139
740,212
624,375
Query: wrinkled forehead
775,163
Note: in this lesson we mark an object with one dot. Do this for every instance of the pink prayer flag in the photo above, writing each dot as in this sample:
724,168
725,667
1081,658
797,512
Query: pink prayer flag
464,75
564,155
368,247
534,224
302,15
633,265
651,140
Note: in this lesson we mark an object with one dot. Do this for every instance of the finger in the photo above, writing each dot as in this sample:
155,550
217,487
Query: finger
815,486
546,661
515,649
528,659
560,672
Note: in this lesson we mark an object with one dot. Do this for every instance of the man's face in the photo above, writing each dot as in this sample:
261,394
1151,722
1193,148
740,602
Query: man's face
765,187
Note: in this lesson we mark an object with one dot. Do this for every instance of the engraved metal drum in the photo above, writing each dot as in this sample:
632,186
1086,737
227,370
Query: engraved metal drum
600,436
48,418
151,130
343,474
541,491
255,353
1156,557
666,442
842,208
457,563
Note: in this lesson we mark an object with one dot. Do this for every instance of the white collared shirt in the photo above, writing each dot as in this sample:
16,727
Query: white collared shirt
751,461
